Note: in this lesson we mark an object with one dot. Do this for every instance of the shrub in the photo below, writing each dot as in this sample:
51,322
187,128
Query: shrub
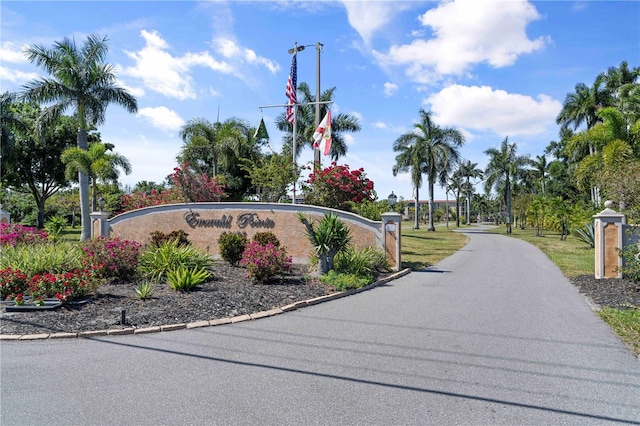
266,237
55,226
586,234
12,234
183,278
328,237
158,237
631,261
39,259
336,186
367,262
12,282
155,262
232,246
342,282
65,286
112,257
144,289
264,262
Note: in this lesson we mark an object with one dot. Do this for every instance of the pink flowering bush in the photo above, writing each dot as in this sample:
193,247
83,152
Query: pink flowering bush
264,262
336,186
112,257
13,233
12,282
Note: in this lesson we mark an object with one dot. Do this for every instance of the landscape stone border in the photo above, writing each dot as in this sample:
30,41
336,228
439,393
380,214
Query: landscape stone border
204,323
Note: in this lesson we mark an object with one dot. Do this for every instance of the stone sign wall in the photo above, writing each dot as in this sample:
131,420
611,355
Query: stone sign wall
205,222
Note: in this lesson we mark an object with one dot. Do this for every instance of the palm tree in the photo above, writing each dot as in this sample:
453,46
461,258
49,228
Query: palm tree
503,168
410,159
469,171
210,145
305,123
80,80
96,163
455,185
581,106
541,168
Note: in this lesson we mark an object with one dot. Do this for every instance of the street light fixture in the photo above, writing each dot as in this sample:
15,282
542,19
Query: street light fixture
392,200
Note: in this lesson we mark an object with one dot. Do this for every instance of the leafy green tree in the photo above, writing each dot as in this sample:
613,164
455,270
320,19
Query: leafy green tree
34,165
80,80
10,122
469,171
98,163
271,176
434,150
504,167
305,124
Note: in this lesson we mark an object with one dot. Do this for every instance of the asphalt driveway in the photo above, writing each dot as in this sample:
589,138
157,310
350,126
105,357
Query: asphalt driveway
492,335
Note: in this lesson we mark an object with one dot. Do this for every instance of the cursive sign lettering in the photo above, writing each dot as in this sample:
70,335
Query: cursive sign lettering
244,220
194,221
252,220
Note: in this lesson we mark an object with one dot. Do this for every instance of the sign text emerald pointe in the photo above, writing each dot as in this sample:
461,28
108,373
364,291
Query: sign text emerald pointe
244,220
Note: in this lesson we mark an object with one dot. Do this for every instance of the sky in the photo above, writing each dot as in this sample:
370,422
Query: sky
491,69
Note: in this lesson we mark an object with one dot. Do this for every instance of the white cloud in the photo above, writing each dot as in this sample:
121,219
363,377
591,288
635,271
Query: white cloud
12,53
162,118
167,74
367,17
230,50
379,125
390,88
466,33
483,108
16,76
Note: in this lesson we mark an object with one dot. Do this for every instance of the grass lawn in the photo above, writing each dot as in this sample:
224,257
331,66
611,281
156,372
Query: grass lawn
421,248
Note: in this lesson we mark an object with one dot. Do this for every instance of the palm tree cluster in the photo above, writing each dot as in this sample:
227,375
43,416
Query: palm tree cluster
428,150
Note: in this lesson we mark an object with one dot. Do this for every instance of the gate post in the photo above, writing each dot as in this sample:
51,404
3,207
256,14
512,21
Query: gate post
99,224
608,226
391,238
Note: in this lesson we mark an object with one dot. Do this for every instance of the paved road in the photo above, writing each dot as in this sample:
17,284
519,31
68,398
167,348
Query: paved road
491,335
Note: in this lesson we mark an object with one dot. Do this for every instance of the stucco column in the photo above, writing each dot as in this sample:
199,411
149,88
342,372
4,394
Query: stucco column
608,226
100,224
391,223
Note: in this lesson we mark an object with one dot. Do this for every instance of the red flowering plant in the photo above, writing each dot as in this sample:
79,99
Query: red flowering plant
112,257
264,262
196,187
336,186
65,286
13,233
138,200
12,282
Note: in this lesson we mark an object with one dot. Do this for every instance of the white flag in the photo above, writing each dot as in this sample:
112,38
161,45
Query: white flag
322,135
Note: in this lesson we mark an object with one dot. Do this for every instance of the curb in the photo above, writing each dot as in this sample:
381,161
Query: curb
205,323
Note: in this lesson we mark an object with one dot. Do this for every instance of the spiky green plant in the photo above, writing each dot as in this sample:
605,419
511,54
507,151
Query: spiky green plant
155,262
144,289
185,279
328,237
42,258
586,233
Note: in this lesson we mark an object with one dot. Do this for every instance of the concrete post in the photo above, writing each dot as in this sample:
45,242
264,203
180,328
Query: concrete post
391,223
5,216
608,225
100,224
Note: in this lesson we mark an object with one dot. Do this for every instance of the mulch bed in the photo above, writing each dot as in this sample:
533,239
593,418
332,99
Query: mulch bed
229,294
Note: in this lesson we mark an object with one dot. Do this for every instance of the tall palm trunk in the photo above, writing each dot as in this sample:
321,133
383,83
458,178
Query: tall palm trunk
83,179
416,222
431,201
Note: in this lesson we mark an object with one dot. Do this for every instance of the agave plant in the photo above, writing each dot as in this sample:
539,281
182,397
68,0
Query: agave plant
328,237
586,233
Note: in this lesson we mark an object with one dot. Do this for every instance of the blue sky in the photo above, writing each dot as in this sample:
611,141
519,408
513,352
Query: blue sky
489,68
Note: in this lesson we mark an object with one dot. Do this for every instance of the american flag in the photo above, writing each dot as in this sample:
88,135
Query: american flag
291,90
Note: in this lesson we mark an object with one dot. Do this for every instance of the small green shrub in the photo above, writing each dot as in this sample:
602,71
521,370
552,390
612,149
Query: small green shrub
266,237
144,289
342,282
155,262
631,261
264,262
586,234
185,279
158,238
55,226
42,258
367,262
232,246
